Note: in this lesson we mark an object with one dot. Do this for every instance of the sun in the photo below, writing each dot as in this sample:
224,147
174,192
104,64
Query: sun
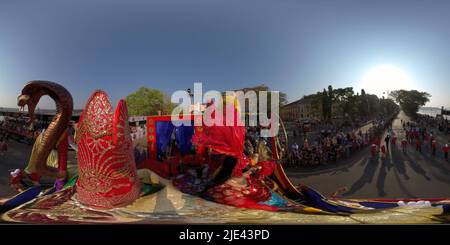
385,78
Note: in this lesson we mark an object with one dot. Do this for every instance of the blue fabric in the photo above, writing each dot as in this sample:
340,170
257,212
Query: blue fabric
21,198
183,135
320,201
275,200
379,205
163,134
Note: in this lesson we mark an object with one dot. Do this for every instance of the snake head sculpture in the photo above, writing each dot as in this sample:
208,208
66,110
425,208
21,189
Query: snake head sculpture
34,90
30,100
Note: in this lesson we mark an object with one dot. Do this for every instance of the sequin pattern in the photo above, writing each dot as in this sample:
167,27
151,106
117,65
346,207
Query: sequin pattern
107,171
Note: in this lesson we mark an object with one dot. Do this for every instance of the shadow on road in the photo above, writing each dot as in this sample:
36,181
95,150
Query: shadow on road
443,173
367,177
382,177
398,162
416,167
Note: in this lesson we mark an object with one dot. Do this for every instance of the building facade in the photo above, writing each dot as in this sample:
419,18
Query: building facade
300,110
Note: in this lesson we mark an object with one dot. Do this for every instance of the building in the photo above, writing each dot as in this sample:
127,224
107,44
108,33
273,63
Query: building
305,108
40,114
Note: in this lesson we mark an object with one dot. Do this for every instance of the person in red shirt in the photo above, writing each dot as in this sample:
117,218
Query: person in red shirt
394,139
445,149
433,147
418,145
373,149
404,144
431,138
383,151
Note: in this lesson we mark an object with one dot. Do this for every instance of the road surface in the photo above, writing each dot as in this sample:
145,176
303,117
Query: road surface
411,175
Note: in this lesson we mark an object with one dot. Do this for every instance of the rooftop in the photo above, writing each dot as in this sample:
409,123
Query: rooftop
38,111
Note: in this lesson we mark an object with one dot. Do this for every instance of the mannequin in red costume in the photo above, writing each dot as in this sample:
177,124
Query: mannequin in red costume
235,183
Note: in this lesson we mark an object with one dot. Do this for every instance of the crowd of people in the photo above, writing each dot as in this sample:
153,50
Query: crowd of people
420,134
16,127
3,145
335,142
139,137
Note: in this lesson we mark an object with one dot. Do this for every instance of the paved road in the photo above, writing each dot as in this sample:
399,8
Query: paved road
14,158
17,157
412,175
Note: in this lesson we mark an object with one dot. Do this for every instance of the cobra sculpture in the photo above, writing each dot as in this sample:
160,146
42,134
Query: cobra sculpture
30,96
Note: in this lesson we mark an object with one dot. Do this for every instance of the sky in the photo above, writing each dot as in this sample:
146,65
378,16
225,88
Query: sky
297,47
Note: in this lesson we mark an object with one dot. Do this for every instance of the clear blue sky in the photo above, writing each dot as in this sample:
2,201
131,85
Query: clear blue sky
297,47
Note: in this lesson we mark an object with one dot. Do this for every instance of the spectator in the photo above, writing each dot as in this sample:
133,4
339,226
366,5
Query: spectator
445,149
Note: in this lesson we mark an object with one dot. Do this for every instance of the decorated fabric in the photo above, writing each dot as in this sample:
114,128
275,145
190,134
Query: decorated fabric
183,136
107,170
227,140
163,136
252,190
267,168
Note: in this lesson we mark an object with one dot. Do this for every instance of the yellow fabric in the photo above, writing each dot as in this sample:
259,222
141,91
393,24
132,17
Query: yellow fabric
234,100
52,160
263,152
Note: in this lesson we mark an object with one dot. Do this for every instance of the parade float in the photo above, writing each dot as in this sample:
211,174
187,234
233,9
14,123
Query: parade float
194,174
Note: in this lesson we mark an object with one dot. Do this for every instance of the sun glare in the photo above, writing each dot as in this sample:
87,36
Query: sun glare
385,78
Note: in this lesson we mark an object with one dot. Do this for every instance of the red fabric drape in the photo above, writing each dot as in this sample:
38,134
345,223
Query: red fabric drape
227,140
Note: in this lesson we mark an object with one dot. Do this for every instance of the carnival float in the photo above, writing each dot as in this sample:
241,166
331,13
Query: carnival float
213,176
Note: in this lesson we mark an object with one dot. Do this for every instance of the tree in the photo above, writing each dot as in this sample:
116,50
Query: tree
327,98
283,99
147,102
345,99
410,100
363,104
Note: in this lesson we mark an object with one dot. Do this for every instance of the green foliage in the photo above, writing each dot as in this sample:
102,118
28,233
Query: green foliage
283,99
410,100
342,102
147,102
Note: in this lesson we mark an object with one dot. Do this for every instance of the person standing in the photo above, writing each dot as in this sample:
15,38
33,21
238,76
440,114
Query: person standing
383,152
418,145
387,141
3,146
431,138
433,147
373,150
404,144
394,140
445,149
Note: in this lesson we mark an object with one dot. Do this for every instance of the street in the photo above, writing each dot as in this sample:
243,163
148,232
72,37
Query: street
411,175
17,156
